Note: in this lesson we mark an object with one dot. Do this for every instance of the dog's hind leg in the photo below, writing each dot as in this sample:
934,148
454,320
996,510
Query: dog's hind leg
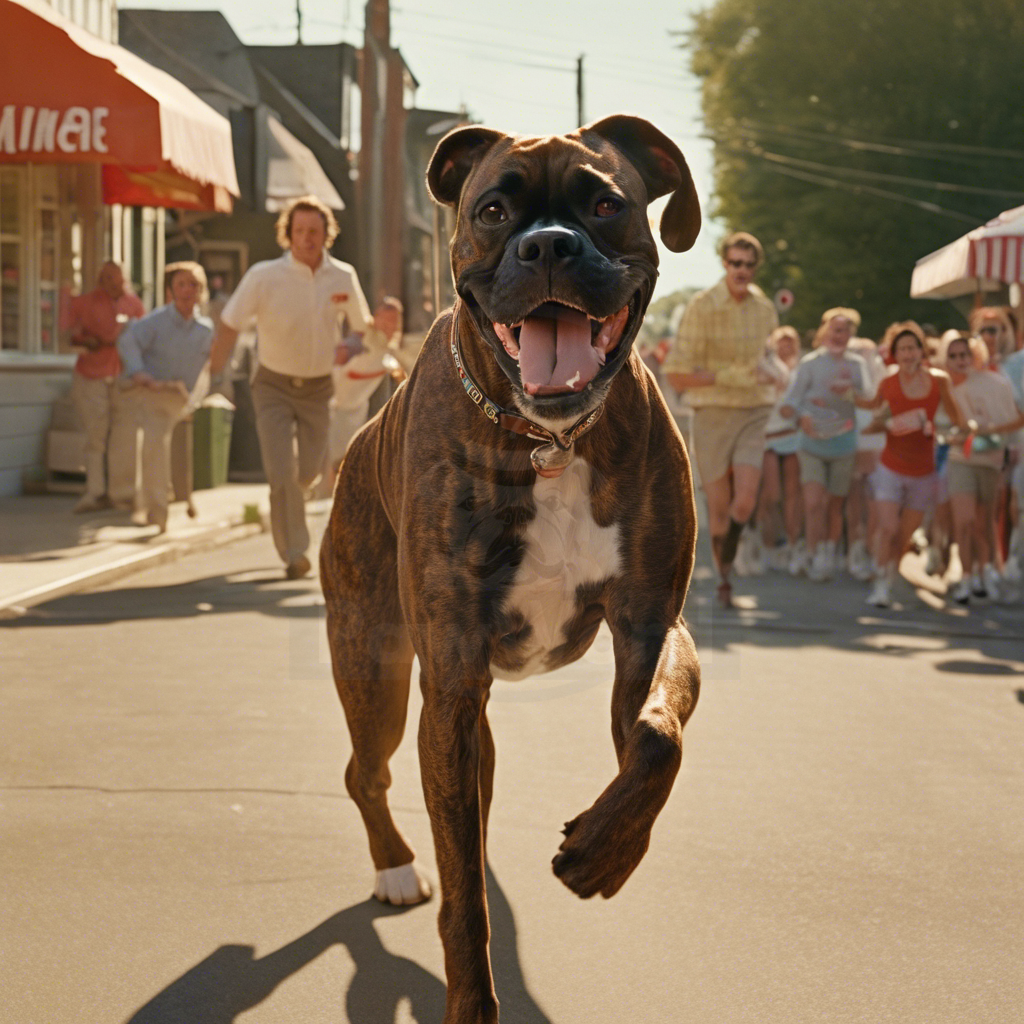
375,706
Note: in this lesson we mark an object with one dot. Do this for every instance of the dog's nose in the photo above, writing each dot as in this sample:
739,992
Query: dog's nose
549,244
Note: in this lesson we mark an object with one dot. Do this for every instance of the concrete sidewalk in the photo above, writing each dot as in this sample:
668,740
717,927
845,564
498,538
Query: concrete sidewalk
46,551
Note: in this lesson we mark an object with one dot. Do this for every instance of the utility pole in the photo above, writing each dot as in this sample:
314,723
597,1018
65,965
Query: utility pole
579,90
298,18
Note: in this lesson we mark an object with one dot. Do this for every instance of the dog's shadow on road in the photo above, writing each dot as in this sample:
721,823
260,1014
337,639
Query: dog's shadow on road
233,980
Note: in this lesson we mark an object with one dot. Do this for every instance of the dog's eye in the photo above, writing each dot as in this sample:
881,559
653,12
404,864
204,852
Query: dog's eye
608,207
493,213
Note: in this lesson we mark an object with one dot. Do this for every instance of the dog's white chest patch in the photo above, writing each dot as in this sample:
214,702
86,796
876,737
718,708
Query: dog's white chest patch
564,548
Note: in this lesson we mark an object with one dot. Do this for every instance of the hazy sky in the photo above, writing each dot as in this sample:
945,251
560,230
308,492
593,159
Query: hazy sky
512,64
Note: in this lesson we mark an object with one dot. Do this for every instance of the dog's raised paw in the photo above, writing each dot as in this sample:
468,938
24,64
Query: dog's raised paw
598,855
402,886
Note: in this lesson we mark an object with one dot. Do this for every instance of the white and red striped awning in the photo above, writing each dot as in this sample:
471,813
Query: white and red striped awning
984,259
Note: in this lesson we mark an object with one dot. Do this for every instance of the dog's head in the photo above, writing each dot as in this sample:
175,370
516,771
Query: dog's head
553,254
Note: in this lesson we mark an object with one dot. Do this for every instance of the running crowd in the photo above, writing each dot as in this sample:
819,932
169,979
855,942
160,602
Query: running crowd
851,454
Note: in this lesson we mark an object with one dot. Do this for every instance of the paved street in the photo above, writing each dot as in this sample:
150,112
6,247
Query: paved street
844,843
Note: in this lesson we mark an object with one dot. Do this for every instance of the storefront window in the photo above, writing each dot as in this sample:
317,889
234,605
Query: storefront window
48,280
12,256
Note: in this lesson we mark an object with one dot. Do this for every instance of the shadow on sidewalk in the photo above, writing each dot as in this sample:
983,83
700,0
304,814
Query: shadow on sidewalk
262,590
776,610
231,980
44,537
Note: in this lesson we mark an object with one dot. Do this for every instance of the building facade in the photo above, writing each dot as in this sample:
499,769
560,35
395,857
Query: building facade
94,145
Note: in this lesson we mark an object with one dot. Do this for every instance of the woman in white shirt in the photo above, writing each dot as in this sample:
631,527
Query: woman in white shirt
986,400
860,503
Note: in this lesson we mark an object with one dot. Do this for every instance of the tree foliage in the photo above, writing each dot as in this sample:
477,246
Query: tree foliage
817,107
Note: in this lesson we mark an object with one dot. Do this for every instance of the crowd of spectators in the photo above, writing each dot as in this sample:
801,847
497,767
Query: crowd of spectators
913,443
848,455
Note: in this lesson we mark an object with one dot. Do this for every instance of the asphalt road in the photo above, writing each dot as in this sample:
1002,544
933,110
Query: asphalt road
845,841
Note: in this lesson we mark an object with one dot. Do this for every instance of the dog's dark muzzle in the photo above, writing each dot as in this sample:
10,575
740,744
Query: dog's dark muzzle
549,247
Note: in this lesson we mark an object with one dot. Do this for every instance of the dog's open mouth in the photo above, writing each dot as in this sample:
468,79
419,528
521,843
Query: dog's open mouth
560,350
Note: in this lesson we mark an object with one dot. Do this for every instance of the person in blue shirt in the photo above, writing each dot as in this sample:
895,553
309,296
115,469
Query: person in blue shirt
163,355
821,395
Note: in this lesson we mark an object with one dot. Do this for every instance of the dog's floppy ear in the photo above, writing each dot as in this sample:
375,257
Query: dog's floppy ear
663,169
456,155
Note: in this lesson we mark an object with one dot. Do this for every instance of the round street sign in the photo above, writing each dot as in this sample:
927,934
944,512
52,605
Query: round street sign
784,299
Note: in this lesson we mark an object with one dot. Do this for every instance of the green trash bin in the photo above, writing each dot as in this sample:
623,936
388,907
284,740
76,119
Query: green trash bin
211,442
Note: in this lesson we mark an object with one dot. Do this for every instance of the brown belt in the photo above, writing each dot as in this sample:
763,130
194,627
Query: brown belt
293,382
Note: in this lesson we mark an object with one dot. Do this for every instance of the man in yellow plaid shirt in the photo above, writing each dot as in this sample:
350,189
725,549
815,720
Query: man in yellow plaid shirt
719,356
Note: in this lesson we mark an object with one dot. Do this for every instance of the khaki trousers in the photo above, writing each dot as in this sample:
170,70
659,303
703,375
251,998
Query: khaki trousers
111,438
292,421
158,412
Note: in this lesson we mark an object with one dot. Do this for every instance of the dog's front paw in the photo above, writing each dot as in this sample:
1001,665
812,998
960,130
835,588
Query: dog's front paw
402,885
600,851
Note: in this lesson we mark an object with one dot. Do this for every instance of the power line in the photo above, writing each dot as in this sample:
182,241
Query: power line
575,41
898,179
505,60
460,45
814,145
896,147
818,179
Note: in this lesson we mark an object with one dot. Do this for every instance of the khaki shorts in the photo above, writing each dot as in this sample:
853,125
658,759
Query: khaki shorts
981,482
723,438
834,474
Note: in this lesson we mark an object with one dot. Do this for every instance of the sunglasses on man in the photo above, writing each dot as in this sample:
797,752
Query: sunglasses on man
991,329
736,264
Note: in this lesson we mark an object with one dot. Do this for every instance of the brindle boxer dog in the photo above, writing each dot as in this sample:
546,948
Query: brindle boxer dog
524,485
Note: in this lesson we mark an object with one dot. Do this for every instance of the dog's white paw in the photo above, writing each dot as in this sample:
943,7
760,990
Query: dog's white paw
402,885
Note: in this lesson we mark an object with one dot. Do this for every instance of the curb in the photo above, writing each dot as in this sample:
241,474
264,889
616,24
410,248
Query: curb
168,551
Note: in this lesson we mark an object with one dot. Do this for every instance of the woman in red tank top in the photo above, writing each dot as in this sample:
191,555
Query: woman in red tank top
904,481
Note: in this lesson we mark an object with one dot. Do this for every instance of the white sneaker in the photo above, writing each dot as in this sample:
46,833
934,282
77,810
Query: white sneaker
831,556
992,581
741,564
821,565
978,585
855,557
798,558
961,593
879,596
755,553
1012,571
866,571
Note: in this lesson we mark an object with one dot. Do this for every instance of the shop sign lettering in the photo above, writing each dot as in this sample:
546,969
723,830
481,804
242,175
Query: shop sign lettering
32,130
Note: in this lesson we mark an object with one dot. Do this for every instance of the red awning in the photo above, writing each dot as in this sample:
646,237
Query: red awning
66,96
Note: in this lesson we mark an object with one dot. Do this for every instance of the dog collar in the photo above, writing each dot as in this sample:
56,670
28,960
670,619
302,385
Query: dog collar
550,458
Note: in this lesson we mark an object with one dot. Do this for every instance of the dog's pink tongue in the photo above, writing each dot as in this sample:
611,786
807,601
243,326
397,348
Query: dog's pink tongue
556,354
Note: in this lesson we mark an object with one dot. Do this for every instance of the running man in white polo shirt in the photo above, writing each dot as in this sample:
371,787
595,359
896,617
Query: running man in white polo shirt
299,304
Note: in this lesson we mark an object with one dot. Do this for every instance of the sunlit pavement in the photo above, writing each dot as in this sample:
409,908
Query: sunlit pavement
843,842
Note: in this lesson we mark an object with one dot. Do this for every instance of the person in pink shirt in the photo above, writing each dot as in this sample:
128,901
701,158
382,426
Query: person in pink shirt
96,320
